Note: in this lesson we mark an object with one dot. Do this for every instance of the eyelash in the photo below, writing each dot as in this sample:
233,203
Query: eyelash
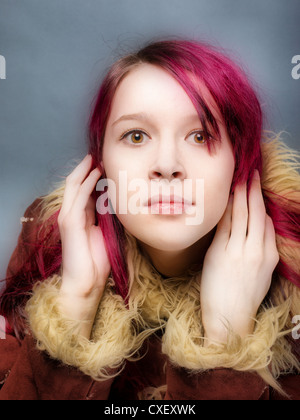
137,130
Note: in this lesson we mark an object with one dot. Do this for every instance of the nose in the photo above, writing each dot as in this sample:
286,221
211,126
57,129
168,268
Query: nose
167,163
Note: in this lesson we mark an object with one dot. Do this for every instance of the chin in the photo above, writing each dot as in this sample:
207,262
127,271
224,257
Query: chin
165,235
168,240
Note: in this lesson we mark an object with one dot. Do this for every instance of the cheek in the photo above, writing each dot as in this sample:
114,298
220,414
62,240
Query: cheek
116,160
215,202
109,161
216,191
122,169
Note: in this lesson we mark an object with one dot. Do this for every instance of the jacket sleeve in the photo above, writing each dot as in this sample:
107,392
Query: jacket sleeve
227,384
215,384
241,368
27,239
29,374
103,356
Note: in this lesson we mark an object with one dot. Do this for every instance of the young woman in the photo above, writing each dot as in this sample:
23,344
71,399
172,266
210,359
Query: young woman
126,294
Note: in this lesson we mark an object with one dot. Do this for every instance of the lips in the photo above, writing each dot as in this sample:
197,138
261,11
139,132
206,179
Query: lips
163,199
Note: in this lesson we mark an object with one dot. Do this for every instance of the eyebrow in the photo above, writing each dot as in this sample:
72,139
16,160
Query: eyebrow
130,117
143,117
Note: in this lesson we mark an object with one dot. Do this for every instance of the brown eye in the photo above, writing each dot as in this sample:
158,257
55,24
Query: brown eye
200,137
136,137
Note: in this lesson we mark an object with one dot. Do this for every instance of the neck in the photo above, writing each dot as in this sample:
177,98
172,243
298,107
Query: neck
177,263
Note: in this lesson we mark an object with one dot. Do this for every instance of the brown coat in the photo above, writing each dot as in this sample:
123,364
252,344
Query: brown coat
27,373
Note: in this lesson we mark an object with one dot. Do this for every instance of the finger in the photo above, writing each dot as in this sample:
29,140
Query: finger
239,223
84,193
257,213
270,240
223,231
73,183
78,175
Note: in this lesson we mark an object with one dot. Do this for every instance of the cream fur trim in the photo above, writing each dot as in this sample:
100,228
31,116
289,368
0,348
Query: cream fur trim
174,305
260,352
281,178
111,340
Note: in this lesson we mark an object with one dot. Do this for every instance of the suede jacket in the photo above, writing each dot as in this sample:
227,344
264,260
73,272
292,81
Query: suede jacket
153,346
40,368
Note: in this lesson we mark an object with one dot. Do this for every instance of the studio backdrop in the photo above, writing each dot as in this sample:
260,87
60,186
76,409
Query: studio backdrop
53,54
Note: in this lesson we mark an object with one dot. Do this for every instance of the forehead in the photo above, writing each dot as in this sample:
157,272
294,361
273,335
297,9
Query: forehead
150,88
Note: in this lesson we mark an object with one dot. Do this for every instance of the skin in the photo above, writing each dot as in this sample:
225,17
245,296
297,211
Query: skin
238,259
168,152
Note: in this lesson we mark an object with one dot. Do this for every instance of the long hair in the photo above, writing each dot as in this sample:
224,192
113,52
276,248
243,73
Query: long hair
188,62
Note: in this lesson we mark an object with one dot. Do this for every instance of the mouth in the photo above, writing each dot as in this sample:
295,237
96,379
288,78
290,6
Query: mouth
168,204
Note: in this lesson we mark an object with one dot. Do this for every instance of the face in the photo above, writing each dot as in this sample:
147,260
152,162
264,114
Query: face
154,145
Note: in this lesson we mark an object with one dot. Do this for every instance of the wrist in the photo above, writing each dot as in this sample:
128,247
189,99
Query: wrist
217,330
81,309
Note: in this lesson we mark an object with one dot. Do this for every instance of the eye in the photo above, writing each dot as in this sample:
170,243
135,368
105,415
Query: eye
134,136
199,137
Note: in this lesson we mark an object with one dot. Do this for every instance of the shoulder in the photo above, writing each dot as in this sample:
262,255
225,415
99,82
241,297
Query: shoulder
41,212
41,216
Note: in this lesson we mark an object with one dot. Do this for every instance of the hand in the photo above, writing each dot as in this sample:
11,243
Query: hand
238,266
85,264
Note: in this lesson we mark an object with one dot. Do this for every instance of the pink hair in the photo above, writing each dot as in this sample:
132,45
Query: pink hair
237,102
186,62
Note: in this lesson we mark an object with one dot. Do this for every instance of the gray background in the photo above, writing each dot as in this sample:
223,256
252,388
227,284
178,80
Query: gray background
57,50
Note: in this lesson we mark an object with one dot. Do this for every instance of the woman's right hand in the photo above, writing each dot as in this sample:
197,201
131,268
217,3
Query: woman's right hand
85,264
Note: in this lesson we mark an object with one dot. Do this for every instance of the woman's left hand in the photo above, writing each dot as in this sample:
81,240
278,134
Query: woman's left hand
238,265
